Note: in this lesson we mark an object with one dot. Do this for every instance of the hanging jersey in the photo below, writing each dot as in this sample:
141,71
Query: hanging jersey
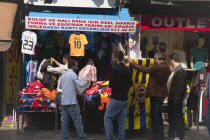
49,47
77,43
29,40
31,71
38,50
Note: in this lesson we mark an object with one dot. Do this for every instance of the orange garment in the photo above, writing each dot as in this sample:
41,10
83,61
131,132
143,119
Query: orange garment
49,94
45,90
77,43
104,100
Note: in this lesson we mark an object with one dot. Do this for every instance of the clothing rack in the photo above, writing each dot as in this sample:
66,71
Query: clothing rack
20,128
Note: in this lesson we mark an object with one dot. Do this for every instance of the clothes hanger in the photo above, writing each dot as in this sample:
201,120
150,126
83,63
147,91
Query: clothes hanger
77,33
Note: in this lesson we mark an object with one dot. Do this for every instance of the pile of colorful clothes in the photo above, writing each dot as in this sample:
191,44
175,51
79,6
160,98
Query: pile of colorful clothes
35,97
99,95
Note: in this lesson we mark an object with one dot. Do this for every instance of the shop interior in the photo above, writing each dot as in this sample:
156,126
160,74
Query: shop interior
174,41
100,47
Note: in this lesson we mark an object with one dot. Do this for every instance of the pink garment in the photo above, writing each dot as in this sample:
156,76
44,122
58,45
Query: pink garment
89,73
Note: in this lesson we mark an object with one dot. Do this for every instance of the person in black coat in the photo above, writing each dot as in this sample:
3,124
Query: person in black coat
176,85
47,76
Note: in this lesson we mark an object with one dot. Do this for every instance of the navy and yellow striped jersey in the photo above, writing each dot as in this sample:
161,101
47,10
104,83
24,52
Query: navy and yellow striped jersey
138,112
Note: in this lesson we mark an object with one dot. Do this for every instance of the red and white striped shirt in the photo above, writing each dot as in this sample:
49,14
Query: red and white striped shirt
89,73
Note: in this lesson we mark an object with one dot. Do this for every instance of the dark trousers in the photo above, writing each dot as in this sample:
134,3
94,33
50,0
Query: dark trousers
176,119
157,120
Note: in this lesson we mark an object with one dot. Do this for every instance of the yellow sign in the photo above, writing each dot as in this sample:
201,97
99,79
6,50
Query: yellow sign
12,71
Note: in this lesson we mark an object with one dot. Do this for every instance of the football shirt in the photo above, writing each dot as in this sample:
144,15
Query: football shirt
77,43
29,40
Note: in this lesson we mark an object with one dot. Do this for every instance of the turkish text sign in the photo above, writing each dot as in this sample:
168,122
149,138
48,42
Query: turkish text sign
42,23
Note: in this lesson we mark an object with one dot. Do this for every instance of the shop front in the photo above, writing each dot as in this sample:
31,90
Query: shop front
173,30
187,36
104,31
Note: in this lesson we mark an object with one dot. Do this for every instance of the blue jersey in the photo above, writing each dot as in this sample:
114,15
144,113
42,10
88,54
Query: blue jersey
31,71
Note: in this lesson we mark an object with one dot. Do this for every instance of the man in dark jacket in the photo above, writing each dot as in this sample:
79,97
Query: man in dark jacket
156,90
176,85
120,83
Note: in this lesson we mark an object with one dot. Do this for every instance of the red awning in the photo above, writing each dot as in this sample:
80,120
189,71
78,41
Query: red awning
165,22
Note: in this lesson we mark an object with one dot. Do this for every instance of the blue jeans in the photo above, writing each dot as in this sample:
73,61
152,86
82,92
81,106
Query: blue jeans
156,116
207,119
72,111
115,109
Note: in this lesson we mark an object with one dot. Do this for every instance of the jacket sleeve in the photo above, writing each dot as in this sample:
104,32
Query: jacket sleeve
56,70
112,78
78,82
43,67
180,85
151,70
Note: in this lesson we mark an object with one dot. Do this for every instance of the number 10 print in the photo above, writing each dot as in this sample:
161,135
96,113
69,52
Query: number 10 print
77,44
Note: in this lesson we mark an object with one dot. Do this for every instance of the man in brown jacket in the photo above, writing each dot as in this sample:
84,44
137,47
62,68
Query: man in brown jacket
156,90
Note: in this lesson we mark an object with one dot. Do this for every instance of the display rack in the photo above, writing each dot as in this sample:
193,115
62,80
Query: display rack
192,81
22,111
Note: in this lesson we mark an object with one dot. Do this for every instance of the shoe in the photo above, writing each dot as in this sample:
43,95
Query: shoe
176,138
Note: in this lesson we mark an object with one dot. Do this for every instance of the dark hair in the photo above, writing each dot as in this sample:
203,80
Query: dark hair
131,37
66,56
71,63
47,57
160,56
174,57
125,60
119,55
201,36
90,61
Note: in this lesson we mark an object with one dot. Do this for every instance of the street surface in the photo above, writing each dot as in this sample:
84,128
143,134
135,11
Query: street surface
7,133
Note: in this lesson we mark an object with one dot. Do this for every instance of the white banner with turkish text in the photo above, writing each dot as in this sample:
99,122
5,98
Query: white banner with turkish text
42,23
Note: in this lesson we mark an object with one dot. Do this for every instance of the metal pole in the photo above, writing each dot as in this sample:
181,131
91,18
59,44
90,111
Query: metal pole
4,85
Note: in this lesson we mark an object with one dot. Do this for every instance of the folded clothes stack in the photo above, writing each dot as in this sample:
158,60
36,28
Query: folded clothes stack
35,97
99,95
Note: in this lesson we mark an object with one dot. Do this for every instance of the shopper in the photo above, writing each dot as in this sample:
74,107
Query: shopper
156,90
60,69
47,78
89,72
120,82
70,108
176,85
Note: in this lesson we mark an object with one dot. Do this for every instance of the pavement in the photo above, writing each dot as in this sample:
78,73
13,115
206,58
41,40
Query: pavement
10,133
